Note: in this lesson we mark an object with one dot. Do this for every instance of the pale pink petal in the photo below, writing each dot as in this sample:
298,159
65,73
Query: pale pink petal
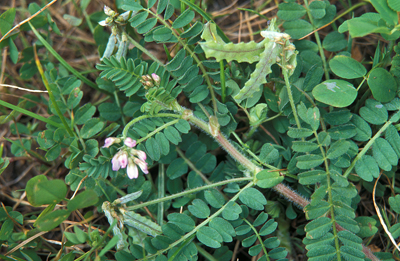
130,142
142,165
155,77
115,163
132,170
123,159
108,142
141,154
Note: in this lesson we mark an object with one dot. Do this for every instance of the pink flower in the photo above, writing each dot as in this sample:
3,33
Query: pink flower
142,165
130,142
110,141
132,169
123,159
120,160
141,154
115,163
156,78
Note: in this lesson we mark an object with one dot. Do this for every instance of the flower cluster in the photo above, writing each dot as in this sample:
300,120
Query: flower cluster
128,157
149,81
114,17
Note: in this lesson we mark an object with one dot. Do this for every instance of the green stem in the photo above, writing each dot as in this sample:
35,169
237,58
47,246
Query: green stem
252,153
127,126
109,183
254,126
205,254
120,108
318,40
222,76
322,54
366,148
188,192
282,189
330,199
161,193
202,224
258,237
144,50
157,130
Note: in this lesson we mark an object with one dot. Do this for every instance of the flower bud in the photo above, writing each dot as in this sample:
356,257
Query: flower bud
130,142
156,78
108,11
110,141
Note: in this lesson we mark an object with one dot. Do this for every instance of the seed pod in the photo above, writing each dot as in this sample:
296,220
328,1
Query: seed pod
123,47
141,223
110,47
128,198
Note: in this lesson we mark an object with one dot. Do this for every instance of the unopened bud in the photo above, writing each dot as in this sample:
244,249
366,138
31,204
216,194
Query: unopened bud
186,114
286,36
149,84
156,78
290,67
213,126
146,77
108,11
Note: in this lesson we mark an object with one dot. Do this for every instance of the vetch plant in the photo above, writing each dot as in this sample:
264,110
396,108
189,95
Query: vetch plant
279,147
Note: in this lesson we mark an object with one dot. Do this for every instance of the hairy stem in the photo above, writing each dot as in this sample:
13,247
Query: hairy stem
188,192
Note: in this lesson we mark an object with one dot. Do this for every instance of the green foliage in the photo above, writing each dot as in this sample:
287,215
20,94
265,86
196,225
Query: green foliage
259,116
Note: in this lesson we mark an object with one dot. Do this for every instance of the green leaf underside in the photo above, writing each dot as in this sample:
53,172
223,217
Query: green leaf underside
263,68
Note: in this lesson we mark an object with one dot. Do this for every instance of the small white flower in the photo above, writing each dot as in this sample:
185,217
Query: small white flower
132,169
